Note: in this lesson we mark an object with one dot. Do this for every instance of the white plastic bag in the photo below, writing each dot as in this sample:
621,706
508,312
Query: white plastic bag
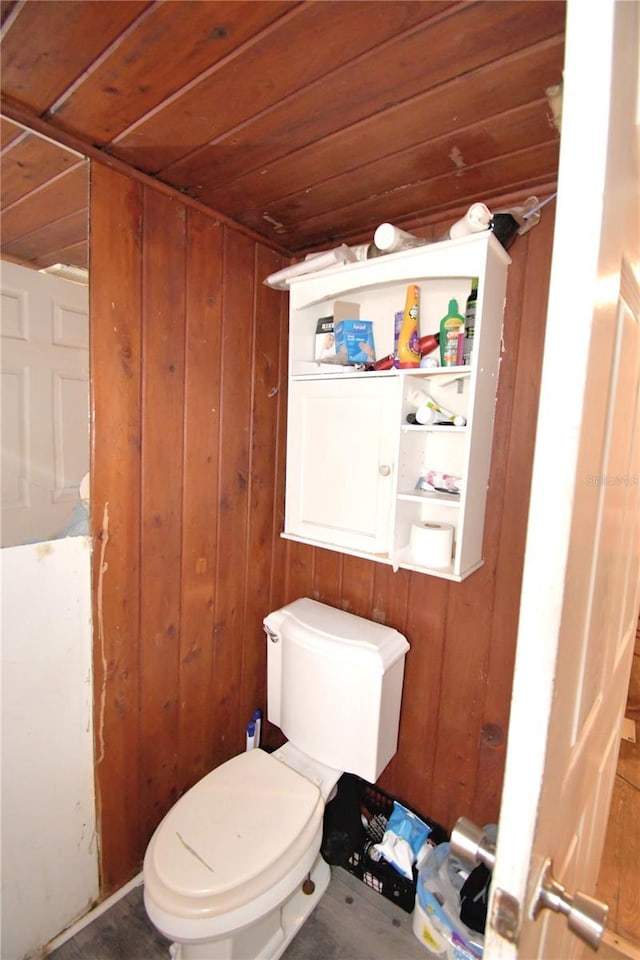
437,921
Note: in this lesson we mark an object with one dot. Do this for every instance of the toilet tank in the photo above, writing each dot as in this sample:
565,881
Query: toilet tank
335,685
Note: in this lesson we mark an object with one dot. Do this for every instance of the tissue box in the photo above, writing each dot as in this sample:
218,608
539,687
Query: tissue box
354,341
325,340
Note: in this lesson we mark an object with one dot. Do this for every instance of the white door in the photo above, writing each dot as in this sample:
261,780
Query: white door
579,604
45,402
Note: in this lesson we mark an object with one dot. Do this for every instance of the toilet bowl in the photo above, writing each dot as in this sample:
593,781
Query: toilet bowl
224,871
234,869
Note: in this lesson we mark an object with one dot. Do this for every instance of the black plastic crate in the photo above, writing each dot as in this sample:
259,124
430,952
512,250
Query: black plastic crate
346,840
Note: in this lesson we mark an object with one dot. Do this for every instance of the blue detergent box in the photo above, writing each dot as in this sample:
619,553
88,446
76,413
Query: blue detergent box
354,341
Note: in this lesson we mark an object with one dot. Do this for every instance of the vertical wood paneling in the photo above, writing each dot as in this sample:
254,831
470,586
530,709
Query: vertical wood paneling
327,577
278,545
116,360
238,322
527,294
299,570
194,481
268,375
203,337
356,594
467,638
163,329
423,622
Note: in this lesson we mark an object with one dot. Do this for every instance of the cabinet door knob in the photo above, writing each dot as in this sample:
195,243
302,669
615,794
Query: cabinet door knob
384,470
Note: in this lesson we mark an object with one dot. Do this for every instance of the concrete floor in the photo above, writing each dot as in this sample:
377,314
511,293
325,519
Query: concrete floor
351,922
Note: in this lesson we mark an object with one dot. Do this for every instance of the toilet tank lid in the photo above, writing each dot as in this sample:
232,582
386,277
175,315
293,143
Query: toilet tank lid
314,622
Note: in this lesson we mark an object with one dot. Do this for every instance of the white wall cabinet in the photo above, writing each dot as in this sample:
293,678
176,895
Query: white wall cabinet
353,460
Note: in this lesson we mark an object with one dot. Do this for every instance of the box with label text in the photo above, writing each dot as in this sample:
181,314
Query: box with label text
354,341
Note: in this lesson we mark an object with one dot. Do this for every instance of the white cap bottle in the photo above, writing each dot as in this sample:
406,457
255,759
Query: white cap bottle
390,239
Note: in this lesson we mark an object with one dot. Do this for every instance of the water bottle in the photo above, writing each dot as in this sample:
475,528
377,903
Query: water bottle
470,321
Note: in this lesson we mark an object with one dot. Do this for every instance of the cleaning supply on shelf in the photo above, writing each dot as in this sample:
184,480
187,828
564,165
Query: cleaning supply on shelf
251,735
452,337
430,411
429,343
409,338
390,239
257,722
470,322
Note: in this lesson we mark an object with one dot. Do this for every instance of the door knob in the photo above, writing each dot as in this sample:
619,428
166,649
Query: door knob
586,916
384,470
471,843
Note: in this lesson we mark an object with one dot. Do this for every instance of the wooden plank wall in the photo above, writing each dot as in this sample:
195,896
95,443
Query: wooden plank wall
188,351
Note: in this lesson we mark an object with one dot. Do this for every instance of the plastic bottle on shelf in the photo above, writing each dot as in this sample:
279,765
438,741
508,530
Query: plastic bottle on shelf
366,251
451,336
470,321
390,239
476,219
429,343
257,722
408,338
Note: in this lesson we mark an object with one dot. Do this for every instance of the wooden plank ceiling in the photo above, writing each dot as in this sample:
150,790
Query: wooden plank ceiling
306,122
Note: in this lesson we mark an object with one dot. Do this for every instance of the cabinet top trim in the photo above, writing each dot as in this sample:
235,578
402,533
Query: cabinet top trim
466,256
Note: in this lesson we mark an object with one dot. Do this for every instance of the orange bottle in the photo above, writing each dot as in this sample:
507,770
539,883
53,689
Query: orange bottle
409,338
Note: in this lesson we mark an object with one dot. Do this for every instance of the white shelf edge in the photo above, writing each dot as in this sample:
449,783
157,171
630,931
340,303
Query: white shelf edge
445,573
398,562
436,498
338,371
378,557
430,428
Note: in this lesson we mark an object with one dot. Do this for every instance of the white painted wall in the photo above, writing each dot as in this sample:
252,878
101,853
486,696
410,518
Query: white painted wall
49,848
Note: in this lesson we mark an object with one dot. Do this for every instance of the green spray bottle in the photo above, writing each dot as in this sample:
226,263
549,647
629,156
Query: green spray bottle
452,337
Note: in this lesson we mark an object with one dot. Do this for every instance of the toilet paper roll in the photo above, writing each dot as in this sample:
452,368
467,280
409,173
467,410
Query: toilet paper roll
431,543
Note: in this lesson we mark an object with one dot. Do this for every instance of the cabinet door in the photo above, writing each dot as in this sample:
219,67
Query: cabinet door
341,462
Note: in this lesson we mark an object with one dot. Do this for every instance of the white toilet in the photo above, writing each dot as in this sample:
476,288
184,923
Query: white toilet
234,869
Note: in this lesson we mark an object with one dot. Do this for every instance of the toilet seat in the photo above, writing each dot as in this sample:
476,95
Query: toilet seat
232,837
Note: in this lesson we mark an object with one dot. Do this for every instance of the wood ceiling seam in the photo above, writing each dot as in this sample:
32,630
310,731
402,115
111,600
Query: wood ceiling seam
308,87
7,207
47,47
443,177
67,219
20,114
280,102
27,132
371,118
8,22
59,102
16,142
420,212
209,72
408,151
